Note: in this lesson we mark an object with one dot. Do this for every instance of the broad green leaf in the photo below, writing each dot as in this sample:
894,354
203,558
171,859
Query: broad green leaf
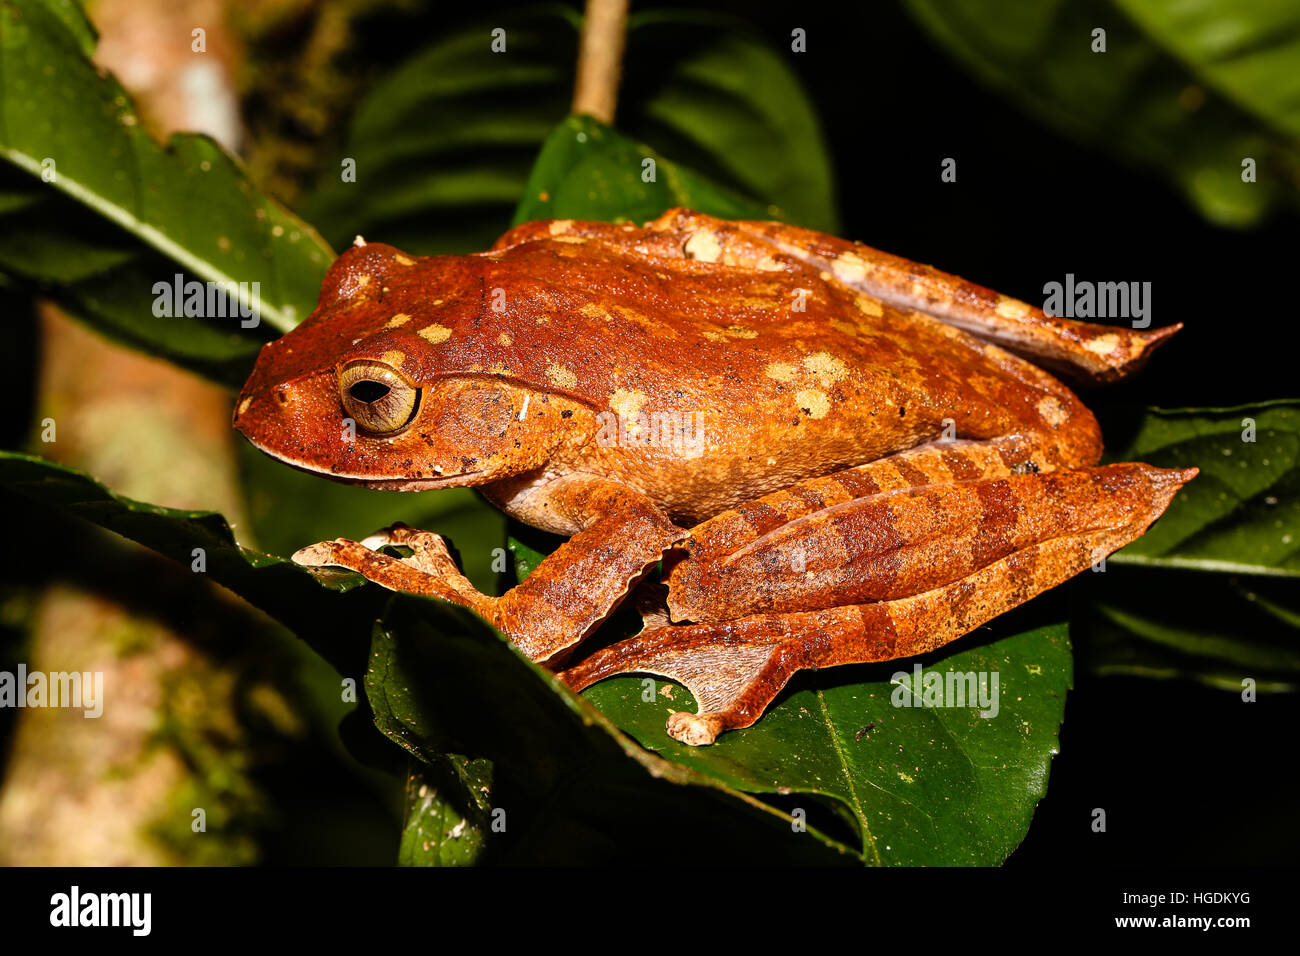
447,811
1241,514
589,171
1189,89
94,212
444,144
925,785
571,786
318,606
1249,52
1231,538
704,89
1137,621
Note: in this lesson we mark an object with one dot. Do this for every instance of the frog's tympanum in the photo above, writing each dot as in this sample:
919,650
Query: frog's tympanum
839,455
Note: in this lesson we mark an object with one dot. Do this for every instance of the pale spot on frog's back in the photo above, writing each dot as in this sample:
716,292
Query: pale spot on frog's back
731,332
505,339
1010,308
1052,411
401,318
243,406
403,260
560,226
849,269
435,333
780,372
561,376
866,304
814,402
826,368
626,404
703,246
363,281
1102,344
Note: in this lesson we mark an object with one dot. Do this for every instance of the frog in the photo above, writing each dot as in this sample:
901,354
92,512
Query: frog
787,451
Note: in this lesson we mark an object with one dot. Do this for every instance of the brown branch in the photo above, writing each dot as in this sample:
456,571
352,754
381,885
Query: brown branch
600,57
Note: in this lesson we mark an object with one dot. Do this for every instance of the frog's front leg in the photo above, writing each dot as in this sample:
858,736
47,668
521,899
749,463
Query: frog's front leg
889,575
618,534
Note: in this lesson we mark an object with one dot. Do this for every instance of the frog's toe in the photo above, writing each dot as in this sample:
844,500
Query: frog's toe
397,533
319,555
696,730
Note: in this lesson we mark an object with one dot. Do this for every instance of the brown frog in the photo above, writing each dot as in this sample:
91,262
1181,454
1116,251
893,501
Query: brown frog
841,455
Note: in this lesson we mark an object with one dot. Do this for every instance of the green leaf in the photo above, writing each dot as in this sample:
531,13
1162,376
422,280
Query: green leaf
1231,537
445,143
318,605
1246,51
1189,89
704,89
570,786
589,171
1241,514
94,212
925,786
448,812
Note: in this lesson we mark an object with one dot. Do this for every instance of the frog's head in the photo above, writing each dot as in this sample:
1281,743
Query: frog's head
362,392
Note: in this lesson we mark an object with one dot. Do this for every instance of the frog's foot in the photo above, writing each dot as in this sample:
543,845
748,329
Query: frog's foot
429,570
733,669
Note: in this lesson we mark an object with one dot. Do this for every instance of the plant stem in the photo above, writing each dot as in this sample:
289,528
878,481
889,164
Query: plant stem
600,57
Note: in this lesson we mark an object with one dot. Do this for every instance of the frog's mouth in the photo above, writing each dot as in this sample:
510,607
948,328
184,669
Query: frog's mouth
459,479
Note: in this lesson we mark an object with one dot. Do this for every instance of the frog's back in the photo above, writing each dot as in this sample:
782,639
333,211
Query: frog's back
781,375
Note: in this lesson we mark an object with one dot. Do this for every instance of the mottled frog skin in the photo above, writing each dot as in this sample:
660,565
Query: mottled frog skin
841,455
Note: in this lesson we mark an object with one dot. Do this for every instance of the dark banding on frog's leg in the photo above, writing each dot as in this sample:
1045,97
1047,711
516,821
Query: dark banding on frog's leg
736,667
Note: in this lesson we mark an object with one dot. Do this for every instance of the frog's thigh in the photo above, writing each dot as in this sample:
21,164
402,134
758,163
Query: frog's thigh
1096,352
736,667
900,543
937,463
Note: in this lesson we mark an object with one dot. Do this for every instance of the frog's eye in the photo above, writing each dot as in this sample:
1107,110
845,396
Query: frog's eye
377,397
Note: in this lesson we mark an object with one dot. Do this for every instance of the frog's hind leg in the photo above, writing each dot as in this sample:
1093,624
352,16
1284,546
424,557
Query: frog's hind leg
891,562
1096,353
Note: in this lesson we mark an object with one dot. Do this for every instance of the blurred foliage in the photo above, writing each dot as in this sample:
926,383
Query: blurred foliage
1189,89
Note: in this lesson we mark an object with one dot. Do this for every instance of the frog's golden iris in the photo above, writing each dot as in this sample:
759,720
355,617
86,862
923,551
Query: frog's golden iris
377,397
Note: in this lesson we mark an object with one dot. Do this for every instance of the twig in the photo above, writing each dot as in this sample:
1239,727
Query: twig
600,57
